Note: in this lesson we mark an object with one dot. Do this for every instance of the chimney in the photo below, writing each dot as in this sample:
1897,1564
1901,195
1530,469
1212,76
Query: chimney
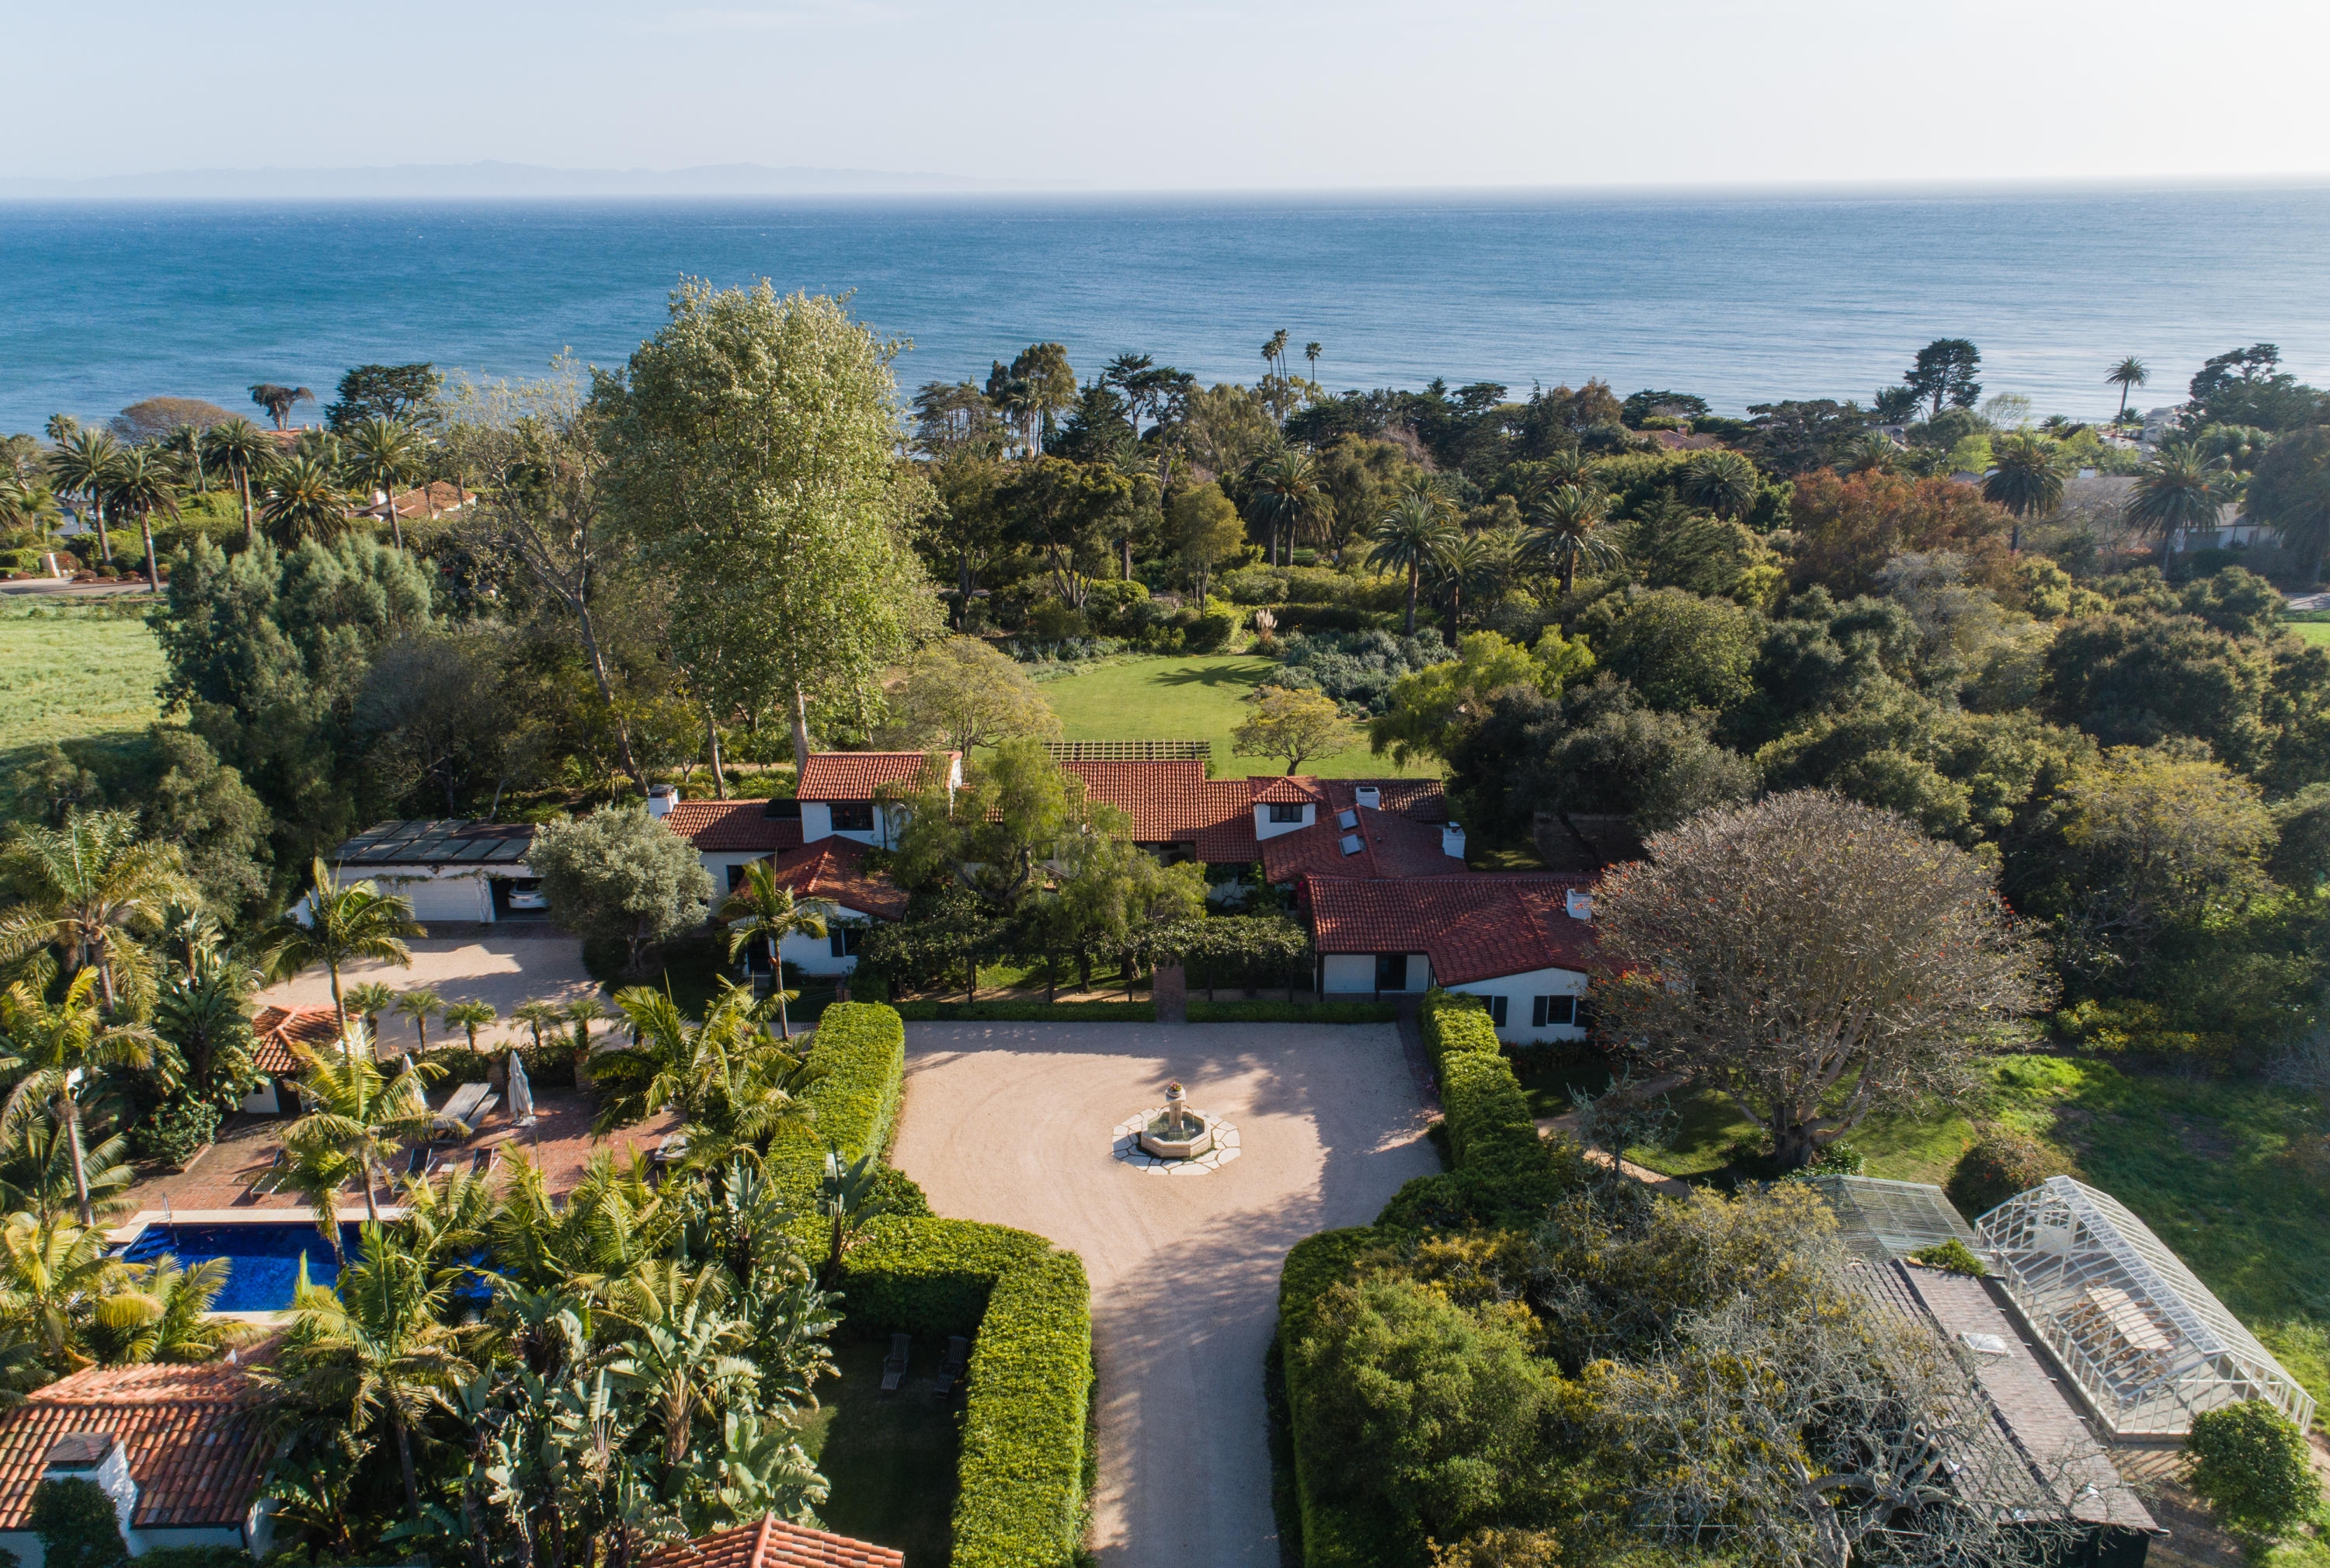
95,1456
1369,796
661,797
1581,904
1451,841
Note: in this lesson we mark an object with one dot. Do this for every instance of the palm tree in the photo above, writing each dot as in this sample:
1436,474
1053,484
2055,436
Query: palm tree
375,1345
1872,451
1287,495
469,1017
418,1005
304,500
64,1052
242,449
90,887
733,1083
161,1313
1567,527
36,1167
1407,539
184,449
582,1013
2127,375
368,1001
2027,478
142,486
2178,490
336,926
1723,481
1470,567
384,454
1312,351
83,465
52,1275
762,907
685,1358
356,1116
28,504
203,1013
537,1016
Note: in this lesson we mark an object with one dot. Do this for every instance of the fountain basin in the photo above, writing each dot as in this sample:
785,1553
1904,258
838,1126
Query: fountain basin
1194,1136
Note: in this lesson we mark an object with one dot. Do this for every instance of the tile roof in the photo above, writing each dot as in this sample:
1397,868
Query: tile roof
1418,799
1473,927
275,1030
717,825
855,775
1390,845
1173,802
835,868
191,1435
773,1544
1286,789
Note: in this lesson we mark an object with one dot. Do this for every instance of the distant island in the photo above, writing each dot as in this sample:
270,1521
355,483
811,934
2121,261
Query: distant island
487,179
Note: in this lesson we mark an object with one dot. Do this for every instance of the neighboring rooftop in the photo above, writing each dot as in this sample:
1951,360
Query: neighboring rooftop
191,1437
773,1544
835,869
438,842
1473,927
276,1030
1359,841
857,775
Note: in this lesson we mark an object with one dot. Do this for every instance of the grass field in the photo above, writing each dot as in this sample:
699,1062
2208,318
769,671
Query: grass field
73,671
1198,697
2313,632
889,1458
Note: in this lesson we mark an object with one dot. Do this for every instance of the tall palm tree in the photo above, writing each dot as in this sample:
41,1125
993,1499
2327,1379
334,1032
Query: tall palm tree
1470,569
1723,481
52,1275
162,1313
763,909
1567,527
469,1017
37,1173
418,1005
2127,375
142,486
336,926
733,1083
356,1115
304,500
384,454
1287,492
2027,478
376,1345
244,451
83,465
2179,489
89,888
183,447
64,1052
1407,539
28,503
1312,351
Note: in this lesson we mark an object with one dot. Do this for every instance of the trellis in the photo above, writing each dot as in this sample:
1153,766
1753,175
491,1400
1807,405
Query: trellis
1130,750
2146,1342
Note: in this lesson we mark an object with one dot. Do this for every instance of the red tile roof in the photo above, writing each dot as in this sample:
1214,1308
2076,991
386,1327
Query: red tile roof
277,1029
1173,802
855,775
1286,789
1418,799
1473,927
773,1544
1390,845
835,868
191,1435
717,825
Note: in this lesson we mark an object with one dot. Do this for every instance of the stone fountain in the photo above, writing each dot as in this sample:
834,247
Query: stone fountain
1177,1132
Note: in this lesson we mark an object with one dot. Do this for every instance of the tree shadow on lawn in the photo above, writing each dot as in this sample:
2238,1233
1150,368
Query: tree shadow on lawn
1238,672
889,1458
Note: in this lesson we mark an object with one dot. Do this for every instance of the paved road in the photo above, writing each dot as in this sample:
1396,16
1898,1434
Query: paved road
1011,1123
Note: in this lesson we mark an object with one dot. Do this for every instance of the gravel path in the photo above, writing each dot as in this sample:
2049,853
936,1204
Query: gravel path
1010,1123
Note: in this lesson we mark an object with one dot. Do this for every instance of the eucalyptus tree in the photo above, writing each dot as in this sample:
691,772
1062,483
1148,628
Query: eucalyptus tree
1407,539
244,451
83,465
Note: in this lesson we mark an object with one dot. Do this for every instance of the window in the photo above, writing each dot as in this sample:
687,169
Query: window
736,877
852,816
1545,1010
1497,1011
1391,971
846,940
783,808
1286,811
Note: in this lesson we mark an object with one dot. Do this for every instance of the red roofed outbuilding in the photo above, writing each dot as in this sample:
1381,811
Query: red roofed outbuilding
775,1543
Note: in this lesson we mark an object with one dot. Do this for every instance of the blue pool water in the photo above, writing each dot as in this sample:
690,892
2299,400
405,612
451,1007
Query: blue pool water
263,1258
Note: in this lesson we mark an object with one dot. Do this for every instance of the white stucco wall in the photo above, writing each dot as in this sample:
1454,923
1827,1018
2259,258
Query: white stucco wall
814,955
1264,827
1346,973
1519,991
463,893
717,862
817,822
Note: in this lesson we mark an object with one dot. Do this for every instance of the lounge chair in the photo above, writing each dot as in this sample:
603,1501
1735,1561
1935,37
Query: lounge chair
483,1162
957,1363
275,1163
417,1162
894,1366
458,1117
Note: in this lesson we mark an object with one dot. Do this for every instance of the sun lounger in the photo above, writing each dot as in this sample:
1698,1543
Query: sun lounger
894,1366
417,1162
267,1172
483,1162
462,1110
957,1363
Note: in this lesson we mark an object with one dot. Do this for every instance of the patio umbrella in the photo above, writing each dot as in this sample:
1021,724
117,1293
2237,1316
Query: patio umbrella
521,1092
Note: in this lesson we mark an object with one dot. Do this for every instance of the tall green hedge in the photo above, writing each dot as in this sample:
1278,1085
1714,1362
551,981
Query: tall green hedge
1022,1471
861,1047
931,1277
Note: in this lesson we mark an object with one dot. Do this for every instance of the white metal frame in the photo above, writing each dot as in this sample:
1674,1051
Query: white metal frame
1889,1219
2147,1344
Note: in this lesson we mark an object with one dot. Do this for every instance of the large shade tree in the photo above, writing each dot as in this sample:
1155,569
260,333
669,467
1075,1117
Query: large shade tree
1815,960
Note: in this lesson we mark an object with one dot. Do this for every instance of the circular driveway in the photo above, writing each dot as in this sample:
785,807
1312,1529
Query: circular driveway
1011,1123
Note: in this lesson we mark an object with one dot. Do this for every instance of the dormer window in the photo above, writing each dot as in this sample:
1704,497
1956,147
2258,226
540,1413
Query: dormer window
1286,811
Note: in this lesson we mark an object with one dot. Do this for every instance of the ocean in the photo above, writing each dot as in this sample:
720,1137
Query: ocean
1740,299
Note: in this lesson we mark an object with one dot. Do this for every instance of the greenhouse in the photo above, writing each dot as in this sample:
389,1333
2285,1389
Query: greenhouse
1886,1219
2147,1344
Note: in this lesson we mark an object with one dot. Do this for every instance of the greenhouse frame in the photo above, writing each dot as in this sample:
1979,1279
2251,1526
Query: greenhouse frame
2147,1344
1881,1219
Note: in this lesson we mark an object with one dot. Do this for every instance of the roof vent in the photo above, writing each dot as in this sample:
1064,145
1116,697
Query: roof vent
661,799
1353,844
1451,841
1346,820
1580,903
1369,796
79,1450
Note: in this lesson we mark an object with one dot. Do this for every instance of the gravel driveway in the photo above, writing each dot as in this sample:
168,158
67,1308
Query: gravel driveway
1011,1123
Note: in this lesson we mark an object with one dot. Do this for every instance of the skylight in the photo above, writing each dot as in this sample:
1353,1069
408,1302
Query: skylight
1353,844
1346,820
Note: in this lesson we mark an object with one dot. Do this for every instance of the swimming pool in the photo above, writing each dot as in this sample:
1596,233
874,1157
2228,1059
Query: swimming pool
263,1257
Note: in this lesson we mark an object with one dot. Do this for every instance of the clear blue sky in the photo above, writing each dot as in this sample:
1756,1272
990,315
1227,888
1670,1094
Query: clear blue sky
1164,94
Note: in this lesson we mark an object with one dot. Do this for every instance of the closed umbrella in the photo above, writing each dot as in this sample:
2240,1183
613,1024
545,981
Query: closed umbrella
521,1092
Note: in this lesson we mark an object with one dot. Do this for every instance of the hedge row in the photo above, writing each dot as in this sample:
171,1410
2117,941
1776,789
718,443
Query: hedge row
1029,1012
861,1048
1022,1470
1292,1012
931,1277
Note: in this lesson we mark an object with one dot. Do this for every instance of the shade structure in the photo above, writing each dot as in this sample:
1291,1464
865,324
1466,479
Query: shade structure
2149,1345
521,1092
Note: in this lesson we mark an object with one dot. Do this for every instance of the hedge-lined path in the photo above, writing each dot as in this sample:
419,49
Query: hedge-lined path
1010,1123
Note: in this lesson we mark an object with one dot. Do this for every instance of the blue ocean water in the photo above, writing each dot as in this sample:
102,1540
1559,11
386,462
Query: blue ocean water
1740,299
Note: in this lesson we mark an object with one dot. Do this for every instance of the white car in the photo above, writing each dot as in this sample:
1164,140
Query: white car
527,895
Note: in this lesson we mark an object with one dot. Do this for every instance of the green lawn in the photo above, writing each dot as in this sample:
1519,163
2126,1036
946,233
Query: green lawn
889,1458
2314,631
1198,697
73,671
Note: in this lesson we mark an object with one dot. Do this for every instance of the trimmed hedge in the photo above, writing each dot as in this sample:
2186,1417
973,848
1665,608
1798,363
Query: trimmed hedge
862,1048
1029,1012
1292,1012
1022,1471
931,1277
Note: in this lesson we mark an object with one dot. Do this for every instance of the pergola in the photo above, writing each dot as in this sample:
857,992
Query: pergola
2146,1342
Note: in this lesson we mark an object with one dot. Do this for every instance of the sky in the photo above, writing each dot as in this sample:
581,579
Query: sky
1134,95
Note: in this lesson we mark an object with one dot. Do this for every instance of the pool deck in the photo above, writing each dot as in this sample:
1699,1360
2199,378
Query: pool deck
218,1188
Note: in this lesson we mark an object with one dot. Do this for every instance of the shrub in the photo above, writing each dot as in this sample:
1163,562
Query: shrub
76,1525
178,1130
2250,1464
1022,1470
196,1557
2001,1163
1954,1255
1212,628
928,1276
552,1066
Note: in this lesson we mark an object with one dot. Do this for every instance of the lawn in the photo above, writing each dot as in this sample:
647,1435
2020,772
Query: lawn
79,670
1199,697
889,1458
2313,632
